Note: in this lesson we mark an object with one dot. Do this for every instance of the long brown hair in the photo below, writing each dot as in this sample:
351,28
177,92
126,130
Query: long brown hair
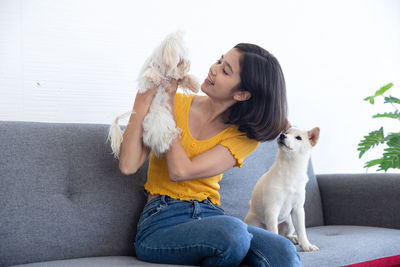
264,115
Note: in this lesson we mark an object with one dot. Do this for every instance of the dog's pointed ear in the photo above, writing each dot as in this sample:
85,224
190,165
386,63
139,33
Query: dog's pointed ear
313,135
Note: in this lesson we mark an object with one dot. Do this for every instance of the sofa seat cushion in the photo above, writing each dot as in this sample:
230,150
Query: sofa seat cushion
339,245
343,245
112,261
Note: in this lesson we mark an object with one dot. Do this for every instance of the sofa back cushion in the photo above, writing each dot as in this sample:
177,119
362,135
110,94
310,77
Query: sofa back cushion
63,196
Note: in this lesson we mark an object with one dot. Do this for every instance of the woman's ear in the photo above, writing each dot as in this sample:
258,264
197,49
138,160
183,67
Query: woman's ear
241,95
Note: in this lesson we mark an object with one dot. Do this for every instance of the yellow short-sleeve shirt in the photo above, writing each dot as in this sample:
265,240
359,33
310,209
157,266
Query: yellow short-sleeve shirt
158,181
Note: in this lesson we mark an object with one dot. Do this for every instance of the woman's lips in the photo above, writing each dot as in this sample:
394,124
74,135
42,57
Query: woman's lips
208,81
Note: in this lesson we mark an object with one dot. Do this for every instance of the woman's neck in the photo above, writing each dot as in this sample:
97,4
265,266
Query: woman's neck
213,110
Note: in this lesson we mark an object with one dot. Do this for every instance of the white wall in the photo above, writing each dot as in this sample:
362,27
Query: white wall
77,61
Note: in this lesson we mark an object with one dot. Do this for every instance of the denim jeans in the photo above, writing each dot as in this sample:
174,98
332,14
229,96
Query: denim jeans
198,233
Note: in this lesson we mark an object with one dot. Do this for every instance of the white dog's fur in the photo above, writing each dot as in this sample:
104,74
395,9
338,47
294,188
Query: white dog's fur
279,195
168,61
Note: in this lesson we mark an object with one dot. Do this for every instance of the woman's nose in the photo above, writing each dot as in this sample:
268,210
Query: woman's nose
212,71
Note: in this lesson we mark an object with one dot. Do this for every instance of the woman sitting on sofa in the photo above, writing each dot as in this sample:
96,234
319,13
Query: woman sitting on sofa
182,223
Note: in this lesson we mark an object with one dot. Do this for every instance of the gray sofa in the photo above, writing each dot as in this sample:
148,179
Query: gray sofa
64,202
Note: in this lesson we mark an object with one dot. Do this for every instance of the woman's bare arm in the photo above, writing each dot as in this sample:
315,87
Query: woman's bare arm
133,153
210,163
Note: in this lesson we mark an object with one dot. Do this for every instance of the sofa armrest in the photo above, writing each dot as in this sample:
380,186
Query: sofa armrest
361,199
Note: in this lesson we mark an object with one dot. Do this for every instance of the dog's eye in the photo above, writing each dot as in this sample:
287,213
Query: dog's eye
298,137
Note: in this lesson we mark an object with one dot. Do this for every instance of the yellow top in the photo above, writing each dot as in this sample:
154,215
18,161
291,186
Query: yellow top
158,181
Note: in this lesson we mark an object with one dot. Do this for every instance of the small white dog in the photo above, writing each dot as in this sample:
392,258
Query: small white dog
168,61
279,195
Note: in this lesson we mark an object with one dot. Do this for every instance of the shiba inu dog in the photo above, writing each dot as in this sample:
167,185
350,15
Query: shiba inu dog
277,202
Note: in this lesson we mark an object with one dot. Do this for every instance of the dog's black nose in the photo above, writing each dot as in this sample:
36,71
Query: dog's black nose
282,136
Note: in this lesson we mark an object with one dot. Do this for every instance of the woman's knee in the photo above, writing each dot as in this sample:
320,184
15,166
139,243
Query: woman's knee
289,252
236,232
269,249
233,238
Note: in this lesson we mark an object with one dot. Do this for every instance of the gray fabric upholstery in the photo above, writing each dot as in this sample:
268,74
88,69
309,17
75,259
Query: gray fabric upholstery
339,245
62,194
344,245
111,261
361,199
63,199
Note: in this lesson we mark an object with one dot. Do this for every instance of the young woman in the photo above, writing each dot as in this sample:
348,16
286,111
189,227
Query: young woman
182,222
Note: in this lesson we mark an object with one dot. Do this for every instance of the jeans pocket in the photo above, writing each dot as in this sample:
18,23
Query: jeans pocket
214,206
148,213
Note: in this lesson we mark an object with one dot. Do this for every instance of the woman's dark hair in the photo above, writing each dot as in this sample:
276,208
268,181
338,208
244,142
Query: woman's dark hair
264,116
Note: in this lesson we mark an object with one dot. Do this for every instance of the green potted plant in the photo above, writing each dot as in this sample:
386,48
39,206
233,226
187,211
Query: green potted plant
391,154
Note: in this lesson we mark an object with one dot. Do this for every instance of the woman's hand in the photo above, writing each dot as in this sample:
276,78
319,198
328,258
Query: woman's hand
133,153
170,87
143,101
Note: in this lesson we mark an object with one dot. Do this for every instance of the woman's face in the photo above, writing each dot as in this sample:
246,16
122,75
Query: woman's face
223,77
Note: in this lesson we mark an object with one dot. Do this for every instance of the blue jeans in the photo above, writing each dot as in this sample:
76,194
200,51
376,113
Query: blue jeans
198,233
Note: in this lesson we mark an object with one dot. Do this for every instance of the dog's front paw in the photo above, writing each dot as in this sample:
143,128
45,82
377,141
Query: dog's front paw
308,247
293,238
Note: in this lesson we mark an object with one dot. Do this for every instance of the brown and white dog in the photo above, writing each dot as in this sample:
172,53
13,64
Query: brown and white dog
279,195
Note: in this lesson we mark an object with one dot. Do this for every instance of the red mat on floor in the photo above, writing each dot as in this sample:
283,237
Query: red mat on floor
393,261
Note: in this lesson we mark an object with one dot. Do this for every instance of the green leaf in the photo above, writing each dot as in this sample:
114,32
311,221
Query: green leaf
391,154
383,89
372,139
379,92
371,99
390,159
392,115
394,138
372,163
392,99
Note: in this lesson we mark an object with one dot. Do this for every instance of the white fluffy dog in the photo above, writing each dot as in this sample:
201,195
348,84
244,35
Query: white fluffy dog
279,195
168,61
